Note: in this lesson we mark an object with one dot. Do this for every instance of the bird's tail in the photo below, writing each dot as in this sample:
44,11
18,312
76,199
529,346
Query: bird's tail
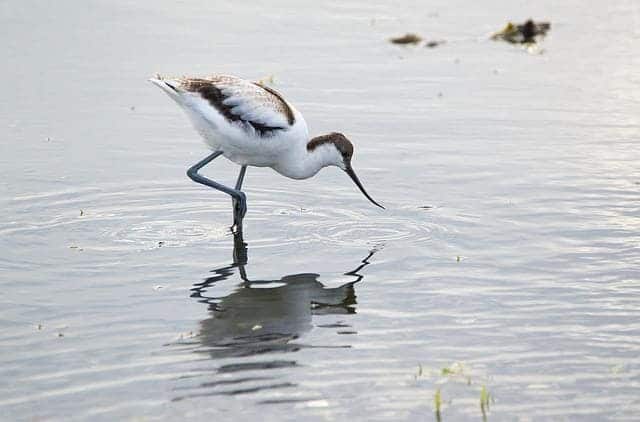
170,86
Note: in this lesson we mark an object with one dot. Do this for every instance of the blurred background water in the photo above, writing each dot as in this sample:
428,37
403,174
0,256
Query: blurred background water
507,258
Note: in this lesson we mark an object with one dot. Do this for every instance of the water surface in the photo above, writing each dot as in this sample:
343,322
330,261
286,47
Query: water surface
507,257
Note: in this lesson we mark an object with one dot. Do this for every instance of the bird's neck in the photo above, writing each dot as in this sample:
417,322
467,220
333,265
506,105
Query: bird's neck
304,162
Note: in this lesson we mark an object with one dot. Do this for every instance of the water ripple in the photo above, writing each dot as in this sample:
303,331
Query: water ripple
143,216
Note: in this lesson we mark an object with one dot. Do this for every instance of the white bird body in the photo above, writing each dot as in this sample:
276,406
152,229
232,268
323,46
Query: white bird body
284,149
253,125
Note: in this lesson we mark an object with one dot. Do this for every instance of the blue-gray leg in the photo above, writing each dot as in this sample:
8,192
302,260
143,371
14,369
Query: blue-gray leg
239,198
243,170
239,207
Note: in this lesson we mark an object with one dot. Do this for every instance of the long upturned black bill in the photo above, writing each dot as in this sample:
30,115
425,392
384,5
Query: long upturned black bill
355,179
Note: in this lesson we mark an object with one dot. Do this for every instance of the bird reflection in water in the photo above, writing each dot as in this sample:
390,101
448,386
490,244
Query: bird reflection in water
263,316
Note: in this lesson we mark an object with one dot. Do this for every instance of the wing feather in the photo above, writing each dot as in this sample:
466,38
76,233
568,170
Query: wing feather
243,102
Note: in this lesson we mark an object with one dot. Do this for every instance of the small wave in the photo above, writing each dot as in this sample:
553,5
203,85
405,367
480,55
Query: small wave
141,216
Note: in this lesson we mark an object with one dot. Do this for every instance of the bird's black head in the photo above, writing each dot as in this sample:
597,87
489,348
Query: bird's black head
337,140
342,149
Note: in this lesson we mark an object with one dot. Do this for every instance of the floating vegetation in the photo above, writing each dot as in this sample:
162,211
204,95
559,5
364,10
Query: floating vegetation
526,33
447,371
408,38
419,373
452,377
455,370
437,404
485,398
617,369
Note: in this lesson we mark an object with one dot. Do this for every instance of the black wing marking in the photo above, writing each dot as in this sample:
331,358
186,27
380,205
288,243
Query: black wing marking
216,93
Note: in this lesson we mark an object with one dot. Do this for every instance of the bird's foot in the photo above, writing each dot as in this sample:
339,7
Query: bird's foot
240,205
239,211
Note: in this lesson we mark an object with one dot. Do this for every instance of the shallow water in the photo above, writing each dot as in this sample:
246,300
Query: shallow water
507,257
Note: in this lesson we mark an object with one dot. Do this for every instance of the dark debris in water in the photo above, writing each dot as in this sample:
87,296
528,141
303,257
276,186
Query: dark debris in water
414,39
526,33
434,43
408,38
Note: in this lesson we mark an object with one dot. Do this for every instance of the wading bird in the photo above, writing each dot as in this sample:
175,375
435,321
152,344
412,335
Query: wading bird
253,125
